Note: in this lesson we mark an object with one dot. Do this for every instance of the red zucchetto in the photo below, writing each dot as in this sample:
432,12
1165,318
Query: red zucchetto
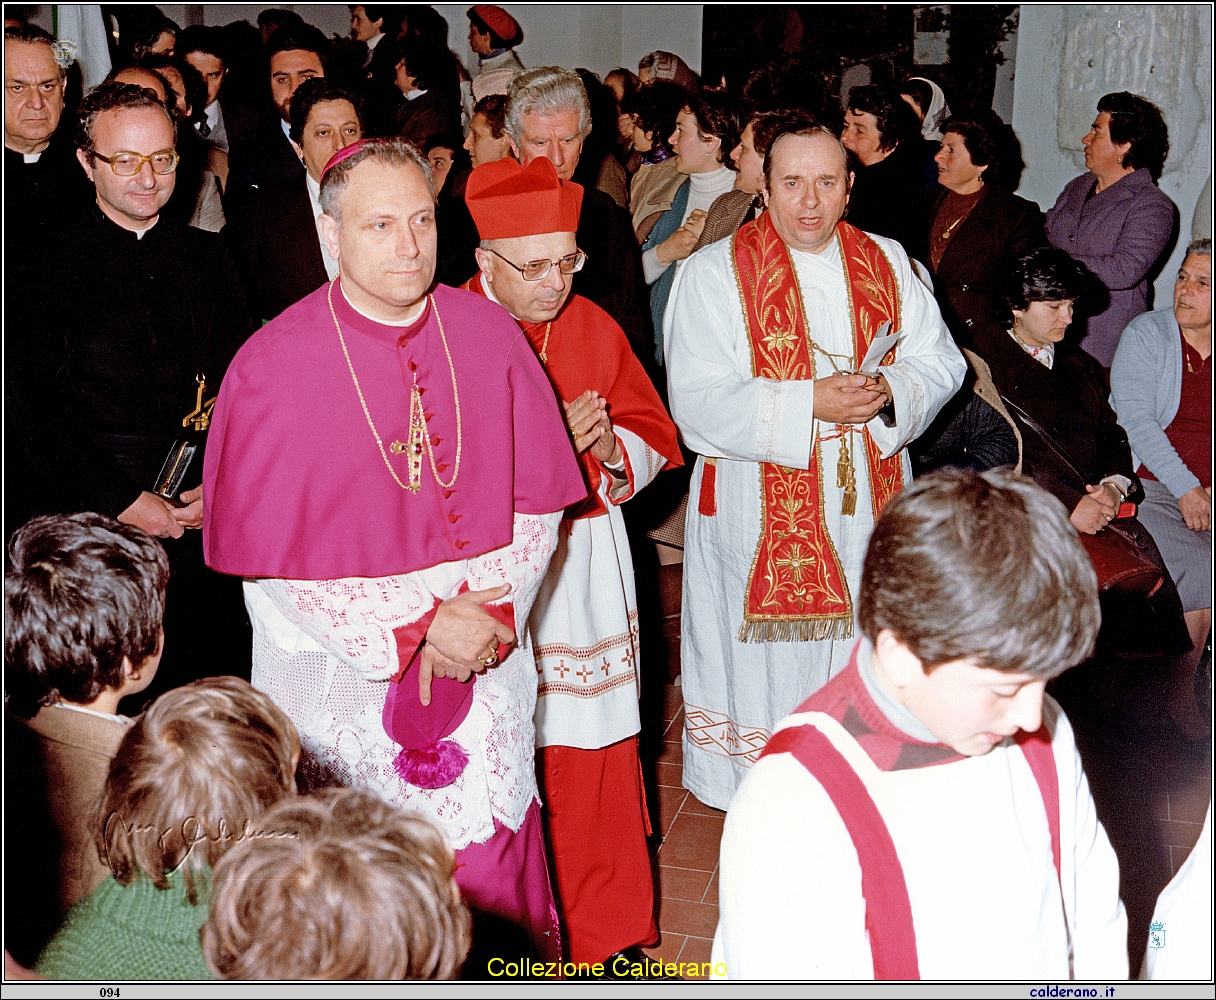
507,200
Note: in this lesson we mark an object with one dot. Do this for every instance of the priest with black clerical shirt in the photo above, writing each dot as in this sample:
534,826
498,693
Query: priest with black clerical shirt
122,359
44,189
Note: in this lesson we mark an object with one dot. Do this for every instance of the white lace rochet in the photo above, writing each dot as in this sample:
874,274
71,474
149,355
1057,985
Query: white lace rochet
324,650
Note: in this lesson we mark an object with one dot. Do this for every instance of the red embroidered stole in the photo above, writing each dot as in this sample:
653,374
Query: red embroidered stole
797,590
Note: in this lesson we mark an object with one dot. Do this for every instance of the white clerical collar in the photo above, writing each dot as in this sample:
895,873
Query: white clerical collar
489,290
30,157
141,233
409,321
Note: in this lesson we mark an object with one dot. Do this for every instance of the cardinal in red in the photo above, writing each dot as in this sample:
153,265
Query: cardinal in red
584,621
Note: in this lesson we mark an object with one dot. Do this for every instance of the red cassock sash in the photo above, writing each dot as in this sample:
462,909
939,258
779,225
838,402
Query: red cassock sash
796,590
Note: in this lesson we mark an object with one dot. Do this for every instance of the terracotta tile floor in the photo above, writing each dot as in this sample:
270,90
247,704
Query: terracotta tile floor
689,833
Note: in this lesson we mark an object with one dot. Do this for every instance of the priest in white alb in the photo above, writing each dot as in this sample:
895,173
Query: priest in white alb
797,452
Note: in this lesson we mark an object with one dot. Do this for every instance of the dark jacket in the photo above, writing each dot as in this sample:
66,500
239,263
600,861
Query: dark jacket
1121,234
1069,401
268,160
106,369
276,248
726,215
42,198
967,279
612,276
888,198
425,116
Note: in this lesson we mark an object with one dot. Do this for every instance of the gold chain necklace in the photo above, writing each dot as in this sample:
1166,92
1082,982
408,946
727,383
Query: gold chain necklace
955,224
418,437
544,357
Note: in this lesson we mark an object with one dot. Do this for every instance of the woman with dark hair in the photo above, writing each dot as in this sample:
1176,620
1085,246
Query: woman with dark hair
146,32
888,193
707,128
975,223
1115,219
494,35
654,109
1072,444
624,85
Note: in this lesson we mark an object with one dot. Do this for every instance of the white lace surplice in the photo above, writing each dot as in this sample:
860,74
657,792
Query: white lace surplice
324,650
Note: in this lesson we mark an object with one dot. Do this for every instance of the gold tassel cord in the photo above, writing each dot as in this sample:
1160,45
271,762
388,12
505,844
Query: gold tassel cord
846,477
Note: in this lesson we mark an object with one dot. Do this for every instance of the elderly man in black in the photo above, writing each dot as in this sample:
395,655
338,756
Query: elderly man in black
548,115
144,319
44,189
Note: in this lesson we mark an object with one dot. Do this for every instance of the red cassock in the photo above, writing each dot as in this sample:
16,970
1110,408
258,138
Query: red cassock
594,798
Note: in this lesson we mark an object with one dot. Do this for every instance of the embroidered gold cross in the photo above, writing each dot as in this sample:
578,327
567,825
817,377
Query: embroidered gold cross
796,561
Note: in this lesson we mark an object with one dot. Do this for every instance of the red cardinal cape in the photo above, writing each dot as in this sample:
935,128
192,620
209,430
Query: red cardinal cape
584,348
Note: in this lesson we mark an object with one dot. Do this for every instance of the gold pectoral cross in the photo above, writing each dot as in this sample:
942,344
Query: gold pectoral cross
417,441
200,416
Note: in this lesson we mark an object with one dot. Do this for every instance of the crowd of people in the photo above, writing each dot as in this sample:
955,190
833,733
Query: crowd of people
324,439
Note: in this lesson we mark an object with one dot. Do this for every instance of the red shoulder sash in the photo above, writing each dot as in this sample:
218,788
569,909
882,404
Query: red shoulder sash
888,907
797,589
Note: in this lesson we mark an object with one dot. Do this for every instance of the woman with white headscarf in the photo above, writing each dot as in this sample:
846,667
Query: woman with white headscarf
928,100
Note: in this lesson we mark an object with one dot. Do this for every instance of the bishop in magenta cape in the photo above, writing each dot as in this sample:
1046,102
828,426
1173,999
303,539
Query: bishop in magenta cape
345,568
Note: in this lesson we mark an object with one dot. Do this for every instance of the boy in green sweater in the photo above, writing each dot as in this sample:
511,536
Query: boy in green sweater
191,778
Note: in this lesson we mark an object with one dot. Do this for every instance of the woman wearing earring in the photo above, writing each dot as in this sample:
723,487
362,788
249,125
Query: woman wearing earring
975,223
707,129
1114,219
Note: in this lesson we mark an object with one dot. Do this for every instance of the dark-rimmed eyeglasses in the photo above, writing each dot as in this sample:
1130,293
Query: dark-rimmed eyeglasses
535,270
128,164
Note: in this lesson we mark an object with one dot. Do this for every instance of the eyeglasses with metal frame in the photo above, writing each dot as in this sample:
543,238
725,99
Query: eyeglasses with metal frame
536,270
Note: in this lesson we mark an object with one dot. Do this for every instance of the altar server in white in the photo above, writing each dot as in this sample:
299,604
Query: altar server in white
797,453
925,815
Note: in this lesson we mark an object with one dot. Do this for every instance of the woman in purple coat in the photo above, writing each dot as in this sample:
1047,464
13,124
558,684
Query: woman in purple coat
1115,220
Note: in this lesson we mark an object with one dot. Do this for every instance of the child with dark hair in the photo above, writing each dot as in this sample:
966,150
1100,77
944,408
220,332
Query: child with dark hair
338,886
925,814
83,601
192,777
